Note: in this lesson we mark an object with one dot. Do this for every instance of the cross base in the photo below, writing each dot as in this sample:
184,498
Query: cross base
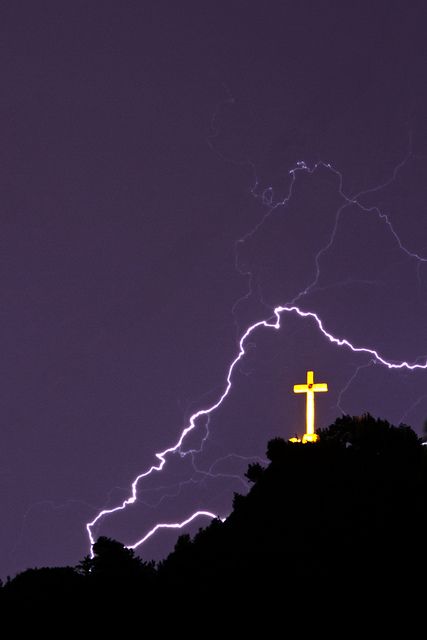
307,437
310,437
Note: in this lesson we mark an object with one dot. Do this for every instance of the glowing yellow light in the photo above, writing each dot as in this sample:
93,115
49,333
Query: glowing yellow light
310,389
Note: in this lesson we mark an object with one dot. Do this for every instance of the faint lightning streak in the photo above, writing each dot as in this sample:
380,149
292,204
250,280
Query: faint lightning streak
348,201
340,342
355,200
350,381
209,473
412,407
300,166
45,503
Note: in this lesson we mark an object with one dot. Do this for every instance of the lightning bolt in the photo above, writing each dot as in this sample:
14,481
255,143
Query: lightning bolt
174,525
271,322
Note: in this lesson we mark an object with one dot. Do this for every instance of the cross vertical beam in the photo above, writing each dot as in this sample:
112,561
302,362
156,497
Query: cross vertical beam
310,388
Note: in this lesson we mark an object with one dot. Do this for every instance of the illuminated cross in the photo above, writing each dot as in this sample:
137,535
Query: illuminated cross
310,389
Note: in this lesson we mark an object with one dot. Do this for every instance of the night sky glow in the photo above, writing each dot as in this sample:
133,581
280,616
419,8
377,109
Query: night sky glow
176,182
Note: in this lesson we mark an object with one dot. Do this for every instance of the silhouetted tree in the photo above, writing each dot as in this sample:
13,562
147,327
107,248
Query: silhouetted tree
85,566
183,544
44,585
369,435
113,561
238,500
276,449
254,472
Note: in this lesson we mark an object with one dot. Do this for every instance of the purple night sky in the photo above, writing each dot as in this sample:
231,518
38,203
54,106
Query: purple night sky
139,142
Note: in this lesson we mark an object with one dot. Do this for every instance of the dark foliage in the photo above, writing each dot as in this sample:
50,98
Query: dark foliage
341,516
44,585
370,435
254,472
113,562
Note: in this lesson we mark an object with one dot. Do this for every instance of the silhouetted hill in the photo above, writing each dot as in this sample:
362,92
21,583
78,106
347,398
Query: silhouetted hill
350,508
346,515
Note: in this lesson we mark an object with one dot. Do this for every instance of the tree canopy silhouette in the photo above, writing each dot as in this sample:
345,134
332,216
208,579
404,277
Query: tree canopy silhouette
112,561
345,510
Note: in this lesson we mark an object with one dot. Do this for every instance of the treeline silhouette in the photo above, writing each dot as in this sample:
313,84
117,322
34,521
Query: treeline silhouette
347,514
